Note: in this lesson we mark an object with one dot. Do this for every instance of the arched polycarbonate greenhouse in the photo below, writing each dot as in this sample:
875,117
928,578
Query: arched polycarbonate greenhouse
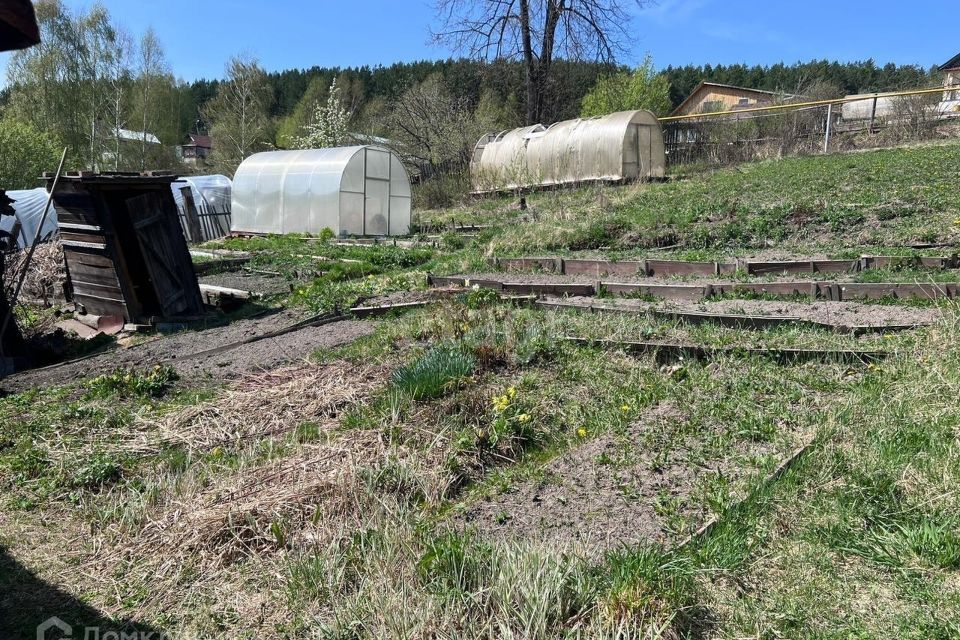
28,207
362,190
627,145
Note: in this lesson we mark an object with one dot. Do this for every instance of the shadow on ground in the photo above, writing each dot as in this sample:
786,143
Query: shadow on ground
26,602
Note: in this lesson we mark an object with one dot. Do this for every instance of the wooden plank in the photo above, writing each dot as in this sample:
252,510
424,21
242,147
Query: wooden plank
680,268
103,277
779,267
76,208
192,218
771,288
668,291
79,228
445,281
483,283
603,268
836,266
727,268
559,289
368,312
74,238
106,289
549,265
97,246
89,258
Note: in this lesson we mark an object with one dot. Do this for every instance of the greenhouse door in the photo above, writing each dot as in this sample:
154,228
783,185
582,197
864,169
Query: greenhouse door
376,207
644,150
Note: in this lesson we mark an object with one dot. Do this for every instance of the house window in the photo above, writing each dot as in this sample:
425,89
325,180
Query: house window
744,102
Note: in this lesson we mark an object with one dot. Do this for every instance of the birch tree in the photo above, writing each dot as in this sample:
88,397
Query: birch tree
153,76
239,114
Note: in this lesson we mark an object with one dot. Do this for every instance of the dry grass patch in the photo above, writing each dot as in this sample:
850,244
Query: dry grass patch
272,405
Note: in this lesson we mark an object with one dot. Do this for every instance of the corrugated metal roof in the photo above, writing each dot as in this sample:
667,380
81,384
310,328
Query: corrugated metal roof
137,136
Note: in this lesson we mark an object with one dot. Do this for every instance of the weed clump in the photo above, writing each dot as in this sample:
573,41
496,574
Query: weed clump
431,375
125,384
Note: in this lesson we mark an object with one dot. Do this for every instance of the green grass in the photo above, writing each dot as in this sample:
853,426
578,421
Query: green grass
868,201
480,401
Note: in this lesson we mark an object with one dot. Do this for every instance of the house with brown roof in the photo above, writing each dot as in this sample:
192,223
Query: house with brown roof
709,97
196,151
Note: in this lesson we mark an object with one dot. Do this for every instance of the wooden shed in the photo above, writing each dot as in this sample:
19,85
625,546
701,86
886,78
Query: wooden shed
123,246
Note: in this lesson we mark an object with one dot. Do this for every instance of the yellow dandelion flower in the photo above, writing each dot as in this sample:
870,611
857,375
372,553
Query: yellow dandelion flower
511,392
582,432
523,418
625,408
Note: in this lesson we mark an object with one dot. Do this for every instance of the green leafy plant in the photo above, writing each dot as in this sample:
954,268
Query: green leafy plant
431,375
124,383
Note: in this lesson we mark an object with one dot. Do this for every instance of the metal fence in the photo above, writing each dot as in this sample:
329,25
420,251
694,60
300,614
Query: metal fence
874,120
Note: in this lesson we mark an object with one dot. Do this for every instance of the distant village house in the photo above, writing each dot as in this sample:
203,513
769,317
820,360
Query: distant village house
951,78
710,97
196,151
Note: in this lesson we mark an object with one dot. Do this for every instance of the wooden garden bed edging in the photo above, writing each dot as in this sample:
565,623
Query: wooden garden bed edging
661,268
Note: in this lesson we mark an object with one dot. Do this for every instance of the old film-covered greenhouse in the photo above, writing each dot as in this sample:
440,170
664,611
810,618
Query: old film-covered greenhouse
360,190
627,145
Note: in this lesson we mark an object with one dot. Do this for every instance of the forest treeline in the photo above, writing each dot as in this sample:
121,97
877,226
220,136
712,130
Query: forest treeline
470,79
94,87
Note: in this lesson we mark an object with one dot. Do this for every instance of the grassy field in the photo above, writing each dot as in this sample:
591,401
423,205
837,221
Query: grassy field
465,472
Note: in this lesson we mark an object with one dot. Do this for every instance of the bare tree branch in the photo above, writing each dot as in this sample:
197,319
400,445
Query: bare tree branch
536,32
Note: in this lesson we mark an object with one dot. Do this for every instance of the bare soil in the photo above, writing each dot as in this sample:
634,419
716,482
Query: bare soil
834,313
551,278
175,349
604,493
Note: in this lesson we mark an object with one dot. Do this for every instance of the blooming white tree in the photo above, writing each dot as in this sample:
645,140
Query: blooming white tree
328,127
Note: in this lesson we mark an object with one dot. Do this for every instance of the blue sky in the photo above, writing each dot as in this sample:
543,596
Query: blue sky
199,35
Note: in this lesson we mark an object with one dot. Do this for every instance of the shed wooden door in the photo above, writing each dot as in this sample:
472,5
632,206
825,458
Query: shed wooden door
151,224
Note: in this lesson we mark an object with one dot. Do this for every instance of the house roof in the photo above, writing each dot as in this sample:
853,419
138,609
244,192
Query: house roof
717,85
952,63
197,140
137,136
